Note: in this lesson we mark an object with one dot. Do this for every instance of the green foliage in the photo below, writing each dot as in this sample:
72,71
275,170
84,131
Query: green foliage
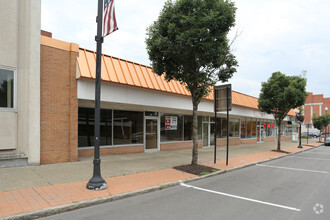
204,173
279,95
282,93
189,43
321,122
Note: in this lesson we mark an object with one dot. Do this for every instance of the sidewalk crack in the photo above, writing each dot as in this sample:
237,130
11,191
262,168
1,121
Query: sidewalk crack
42,197
49,183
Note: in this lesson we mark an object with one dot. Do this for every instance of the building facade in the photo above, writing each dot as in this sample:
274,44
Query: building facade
315,105
140,111
20,82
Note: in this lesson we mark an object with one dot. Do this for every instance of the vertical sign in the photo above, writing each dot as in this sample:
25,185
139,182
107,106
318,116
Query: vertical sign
171,123
222,102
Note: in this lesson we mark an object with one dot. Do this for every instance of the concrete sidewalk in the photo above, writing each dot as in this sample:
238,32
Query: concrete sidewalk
36,191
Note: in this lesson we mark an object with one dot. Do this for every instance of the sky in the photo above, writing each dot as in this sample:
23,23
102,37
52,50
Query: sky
290,36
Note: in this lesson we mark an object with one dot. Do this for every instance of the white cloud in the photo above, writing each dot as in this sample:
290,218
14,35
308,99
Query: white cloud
277,35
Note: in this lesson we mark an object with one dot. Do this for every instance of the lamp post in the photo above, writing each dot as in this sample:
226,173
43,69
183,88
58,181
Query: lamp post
326,128
298,118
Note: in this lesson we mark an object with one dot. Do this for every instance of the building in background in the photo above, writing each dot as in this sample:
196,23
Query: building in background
20,82
315,105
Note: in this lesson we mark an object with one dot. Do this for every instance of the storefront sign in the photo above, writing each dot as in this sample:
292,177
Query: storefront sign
171,123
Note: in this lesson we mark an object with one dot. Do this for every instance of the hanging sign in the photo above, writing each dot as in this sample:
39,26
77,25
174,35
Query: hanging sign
171,123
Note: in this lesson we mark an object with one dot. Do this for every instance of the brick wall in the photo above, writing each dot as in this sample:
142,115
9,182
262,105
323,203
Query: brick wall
112,151
58,104
249,141
286,138
269,139
232,141
178,145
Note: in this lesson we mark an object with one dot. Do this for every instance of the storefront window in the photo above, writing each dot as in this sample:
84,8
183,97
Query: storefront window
170,131
243,128
269,128
224,127
200,127
86,127
254,129
188,127
127,127
234,128
6,88
249,128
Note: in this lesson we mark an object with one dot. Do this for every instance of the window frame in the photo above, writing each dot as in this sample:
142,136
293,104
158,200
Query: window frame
14,108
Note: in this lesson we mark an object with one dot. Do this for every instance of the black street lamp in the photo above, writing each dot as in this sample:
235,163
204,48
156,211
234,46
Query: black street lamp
299,146
326,128
299,119
97,182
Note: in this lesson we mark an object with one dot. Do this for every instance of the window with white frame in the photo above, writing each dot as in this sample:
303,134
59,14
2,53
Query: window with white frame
7,88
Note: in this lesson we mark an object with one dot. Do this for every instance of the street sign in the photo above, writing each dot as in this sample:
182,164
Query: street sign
222,102
221,98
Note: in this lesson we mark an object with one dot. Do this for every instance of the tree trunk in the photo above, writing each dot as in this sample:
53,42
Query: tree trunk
194,160
279,138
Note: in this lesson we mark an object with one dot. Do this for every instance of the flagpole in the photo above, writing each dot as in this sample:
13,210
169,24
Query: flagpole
97,182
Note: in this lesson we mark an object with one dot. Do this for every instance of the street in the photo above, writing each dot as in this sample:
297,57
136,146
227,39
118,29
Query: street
293,187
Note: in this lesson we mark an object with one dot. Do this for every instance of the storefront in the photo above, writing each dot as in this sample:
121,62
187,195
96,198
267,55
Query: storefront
140,111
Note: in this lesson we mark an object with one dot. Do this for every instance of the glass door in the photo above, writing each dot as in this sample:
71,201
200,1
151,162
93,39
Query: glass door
212,125
205,134
151,134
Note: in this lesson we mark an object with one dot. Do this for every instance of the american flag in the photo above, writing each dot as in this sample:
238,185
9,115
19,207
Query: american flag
109,18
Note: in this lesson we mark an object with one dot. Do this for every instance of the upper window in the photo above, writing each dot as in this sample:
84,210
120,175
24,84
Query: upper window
7,88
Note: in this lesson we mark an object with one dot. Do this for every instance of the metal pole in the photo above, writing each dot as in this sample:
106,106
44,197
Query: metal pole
227,154
300,136
97,182
307,132
326,128
215,126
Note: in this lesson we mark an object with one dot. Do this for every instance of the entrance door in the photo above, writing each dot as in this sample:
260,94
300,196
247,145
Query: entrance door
208,134
260,133
205,134
151,134
212,125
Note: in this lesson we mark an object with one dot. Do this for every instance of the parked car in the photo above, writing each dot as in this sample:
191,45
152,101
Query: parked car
323,133
310,134
327,141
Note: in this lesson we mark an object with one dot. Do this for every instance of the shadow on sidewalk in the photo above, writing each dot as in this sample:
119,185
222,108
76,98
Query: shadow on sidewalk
281,151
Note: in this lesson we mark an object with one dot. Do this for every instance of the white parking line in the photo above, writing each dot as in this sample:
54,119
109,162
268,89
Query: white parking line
288,168
311,158
239,197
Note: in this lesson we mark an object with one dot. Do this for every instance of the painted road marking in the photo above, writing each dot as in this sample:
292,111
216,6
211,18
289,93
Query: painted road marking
239,197
311,158
288,168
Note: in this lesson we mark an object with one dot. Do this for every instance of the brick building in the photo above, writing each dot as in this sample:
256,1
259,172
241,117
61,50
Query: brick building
315,104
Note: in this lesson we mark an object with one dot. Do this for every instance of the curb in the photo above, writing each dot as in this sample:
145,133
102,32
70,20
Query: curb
86,203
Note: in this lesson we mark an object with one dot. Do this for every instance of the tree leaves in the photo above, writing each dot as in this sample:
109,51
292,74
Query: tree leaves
189,43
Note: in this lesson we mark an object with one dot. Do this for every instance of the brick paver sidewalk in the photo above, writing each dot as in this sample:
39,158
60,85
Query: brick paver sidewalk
43,197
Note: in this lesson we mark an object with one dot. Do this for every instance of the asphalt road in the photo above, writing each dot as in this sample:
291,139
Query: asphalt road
294,187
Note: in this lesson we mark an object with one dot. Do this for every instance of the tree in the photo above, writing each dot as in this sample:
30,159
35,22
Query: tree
321,122
279,95
189,43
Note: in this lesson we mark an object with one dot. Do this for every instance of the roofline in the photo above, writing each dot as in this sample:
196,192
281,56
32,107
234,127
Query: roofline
106,55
